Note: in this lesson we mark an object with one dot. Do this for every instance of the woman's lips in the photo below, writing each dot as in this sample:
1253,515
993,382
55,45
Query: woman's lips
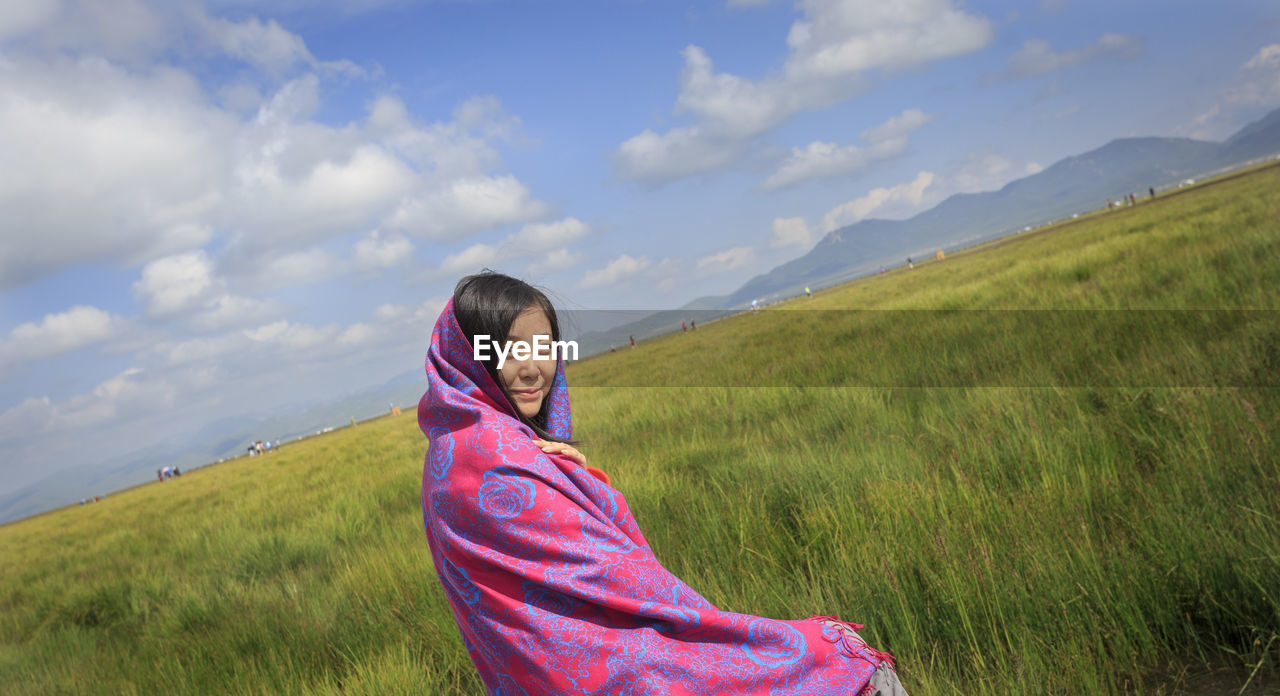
528,394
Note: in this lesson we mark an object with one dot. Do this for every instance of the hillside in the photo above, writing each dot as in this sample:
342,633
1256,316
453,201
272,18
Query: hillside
1074,185
1019,521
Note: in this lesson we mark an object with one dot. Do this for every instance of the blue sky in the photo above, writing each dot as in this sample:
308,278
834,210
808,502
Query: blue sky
233,207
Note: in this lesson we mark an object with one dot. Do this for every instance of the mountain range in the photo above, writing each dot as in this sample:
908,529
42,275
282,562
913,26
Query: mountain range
1073,185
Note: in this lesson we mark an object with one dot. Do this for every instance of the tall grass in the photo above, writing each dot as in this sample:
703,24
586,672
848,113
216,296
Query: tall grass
1093,528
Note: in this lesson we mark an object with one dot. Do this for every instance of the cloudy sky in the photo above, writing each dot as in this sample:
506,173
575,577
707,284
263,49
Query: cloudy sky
229,207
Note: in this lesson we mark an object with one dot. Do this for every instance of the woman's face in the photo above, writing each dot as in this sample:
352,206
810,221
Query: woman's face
528,381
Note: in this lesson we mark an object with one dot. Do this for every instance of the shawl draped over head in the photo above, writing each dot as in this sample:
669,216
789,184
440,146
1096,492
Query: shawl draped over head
553,586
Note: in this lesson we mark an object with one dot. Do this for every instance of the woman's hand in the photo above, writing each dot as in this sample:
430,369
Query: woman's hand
562,448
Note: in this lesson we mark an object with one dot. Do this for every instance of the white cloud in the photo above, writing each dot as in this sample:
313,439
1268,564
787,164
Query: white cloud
199,350
389,312
392,313
840,37
117,166
32,416
297,182
293,337
820,160
906,196
1255,85
60,333
1267,57
186,286
125,164
729,259
240,97
377,250
484,114
189,151
616,270
137,31
731,106
175,283
265,45
128,391
467,206
1259,80
231,311
541,236
357,334
292,269
790,232
131,31
977,172
823,160
17,17
1037,57
429,311
450,149
897,127
832,47
678,153
472,259
534,238
984,172
558,260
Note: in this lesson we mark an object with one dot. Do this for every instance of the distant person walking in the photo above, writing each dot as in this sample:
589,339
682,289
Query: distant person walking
684,326
1152,191
633,341
806,292
693,324
909,264
755,305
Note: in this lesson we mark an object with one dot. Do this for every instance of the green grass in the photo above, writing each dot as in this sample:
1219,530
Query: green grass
1069,534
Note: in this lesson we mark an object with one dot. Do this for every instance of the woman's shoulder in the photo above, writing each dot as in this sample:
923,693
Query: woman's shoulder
466,457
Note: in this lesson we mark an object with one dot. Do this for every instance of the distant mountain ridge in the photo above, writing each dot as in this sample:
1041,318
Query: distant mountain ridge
1073,185
1076,184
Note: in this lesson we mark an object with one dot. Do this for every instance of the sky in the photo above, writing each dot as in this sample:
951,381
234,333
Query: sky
234,207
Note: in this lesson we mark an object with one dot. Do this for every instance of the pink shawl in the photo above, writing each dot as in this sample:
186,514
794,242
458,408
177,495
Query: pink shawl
553,586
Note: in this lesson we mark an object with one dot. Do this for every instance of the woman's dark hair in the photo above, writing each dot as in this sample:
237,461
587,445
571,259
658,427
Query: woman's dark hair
487,304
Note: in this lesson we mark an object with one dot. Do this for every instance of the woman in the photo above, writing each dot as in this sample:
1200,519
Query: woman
551,583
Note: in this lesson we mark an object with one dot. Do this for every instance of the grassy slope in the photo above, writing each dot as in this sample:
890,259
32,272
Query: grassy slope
999,540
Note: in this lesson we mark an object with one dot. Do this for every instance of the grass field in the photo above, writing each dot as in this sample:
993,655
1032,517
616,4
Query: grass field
1004,514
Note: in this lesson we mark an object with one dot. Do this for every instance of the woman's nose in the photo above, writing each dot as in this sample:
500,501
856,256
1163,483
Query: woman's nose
528,368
